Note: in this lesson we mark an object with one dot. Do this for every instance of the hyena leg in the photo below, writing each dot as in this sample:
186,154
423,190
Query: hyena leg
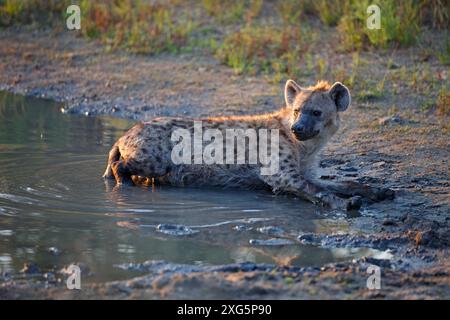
114,155
121,172
293,183
319,195
351,188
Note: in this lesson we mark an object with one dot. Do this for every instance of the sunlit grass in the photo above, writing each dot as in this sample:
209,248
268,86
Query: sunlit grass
264,49
138,26
274,37
400,24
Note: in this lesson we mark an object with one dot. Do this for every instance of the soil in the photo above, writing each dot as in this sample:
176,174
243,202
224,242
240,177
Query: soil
408,152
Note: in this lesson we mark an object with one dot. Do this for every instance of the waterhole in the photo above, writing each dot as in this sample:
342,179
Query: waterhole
55,209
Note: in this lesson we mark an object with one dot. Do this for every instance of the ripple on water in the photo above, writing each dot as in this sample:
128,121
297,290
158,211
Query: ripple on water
20,199
8,211
5,263
40,193
6,233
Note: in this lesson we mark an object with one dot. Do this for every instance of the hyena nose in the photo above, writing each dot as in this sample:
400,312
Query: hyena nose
298,129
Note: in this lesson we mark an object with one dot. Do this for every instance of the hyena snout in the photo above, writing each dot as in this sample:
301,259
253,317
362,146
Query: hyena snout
305,128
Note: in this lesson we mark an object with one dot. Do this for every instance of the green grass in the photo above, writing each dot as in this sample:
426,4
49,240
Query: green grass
264,49
291,11
232,11
269,36
368,95
138,26
400,24
19,12
444,54
329,11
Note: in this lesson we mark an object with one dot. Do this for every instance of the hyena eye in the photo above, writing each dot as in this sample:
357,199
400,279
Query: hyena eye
317,113
296,112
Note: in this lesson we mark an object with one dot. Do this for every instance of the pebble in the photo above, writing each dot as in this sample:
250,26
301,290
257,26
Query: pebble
270,242
242,228
388,222
379,164
30,268
348,169
50,277
271,230
83,268
175,229
309,238
390,120
54,251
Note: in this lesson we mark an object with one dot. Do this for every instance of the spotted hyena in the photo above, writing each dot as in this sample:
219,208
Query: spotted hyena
307,122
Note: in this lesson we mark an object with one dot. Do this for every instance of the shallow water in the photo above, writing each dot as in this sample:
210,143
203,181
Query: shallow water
55,209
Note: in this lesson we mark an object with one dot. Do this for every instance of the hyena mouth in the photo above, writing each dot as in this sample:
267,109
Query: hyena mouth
303,136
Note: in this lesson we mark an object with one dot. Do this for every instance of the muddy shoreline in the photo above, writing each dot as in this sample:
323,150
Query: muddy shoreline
415,226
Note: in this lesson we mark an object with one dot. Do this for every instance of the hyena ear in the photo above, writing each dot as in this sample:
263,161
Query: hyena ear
341,96
290,92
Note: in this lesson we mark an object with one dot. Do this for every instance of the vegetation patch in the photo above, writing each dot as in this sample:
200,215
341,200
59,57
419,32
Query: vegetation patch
264,49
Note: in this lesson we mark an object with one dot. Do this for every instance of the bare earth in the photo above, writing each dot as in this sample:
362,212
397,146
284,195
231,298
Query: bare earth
409,154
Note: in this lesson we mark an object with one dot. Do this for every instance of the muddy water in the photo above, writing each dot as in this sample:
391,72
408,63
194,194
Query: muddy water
55,209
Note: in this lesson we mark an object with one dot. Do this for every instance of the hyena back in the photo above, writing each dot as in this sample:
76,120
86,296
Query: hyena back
307,122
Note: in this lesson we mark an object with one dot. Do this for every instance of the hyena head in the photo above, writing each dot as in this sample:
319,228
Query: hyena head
314,111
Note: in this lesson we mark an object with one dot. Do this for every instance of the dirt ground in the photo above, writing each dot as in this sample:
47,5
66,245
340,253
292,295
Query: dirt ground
408,152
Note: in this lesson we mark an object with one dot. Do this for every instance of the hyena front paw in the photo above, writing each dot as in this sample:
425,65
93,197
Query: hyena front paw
351,189
337,203
384,194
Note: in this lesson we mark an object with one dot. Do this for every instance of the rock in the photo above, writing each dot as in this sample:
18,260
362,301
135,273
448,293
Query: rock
355,203
348,169
83,268
271,230
30,268
325,163
378,164
175,229
432,238
327,177
270,242
309,238
241,227
388,222
50,277
391,120
54,251
393,65
385,194
383,263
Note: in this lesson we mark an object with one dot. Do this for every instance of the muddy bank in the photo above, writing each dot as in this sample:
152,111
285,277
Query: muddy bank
409,154
414,265
85,79
250,281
